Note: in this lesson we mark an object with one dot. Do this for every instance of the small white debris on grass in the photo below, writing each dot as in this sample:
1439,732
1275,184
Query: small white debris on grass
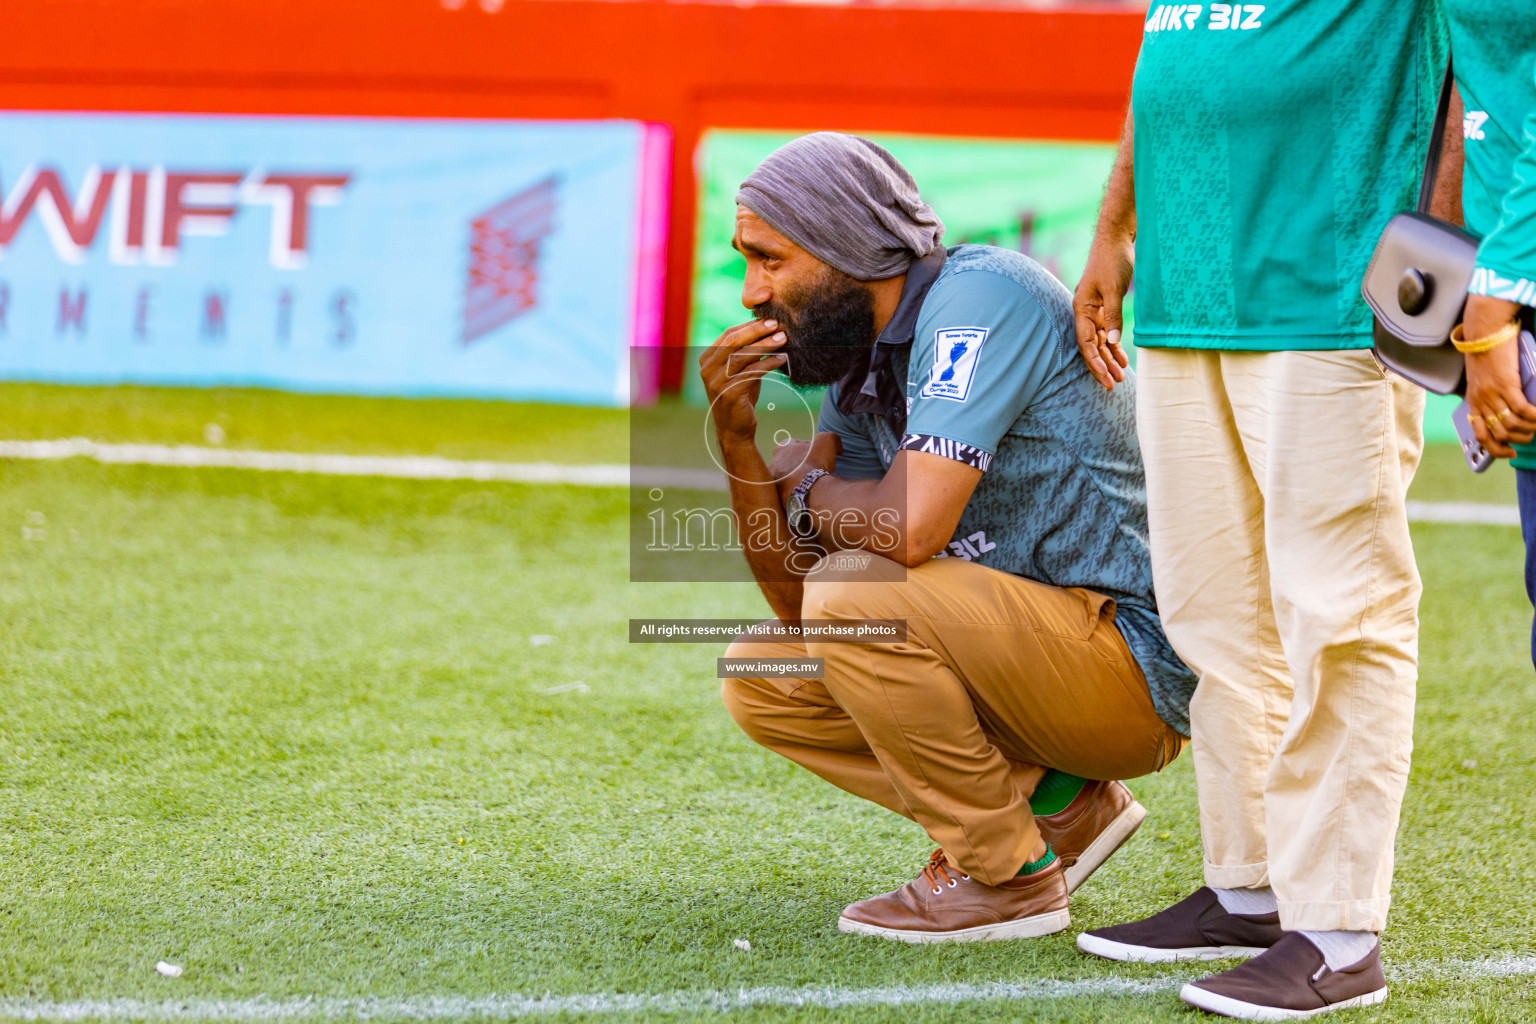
743,945
577,687
1469,765
540,639
214,434
169,970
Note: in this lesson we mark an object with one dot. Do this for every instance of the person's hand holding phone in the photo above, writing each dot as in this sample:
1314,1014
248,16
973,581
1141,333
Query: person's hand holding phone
1499,412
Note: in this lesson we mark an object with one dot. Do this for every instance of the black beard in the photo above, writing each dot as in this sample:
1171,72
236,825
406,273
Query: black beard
829,329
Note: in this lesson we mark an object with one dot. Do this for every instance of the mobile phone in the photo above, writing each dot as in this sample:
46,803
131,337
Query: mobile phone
1476,455
1477,458
1528,366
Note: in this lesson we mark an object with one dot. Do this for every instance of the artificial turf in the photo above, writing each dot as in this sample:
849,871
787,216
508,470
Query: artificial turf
307,736
283,421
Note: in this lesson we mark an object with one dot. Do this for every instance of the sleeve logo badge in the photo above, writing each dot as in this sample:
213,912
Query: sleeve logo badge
955,352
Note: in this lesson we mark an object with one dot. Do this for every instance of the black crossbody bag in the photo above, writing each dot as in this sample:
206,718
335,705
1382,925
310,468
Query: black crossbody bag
1417,282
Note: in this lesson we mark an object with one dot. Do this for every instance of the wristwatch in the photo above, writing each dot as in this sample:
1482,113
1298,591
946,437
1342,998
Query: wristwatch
802,521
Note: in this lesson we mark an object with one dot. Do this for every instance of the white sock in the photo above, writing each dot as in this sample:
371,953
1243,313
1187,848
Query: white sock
1247,901
1342,949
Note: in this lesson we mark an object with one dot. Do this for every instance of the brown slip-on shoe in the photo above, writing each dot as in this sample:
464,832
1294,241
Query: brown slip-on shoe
1091,828
942,904
1197,927
1291,981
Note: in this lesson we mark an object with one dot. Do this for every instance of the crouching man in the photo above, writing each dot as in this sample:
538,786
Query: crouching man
990,495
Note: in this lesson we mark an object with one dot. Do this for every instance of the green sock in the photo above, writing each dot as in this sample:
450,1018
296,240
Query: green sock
1043,862
1055,791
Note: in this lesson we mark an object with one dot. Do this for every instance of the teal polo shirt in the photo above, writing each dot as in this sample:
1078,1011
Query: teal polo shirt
980,365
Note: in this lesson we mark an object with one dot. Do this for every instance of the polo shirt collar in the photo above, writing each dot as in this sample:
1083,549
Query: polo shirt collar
871,386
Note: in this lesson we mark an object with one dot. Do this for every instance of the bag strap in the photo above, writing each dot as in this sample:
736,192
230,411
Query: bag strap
1436,142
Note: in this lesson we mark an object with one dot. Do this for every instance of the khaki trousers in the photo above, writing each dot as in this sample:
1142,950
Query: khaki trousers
1276,489
999,678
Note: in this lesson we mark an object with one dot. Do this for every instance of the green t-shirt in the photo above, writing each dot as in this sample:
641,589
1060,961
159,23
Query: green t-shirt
1272,144
1494,48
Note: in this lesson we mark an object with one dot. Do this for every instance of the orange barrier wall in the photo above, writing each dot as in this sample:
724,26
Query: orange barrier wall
998,72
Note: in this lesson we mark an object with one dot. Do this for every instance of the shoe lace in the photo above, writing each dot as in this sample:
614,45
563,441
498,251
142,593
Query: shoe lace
940,872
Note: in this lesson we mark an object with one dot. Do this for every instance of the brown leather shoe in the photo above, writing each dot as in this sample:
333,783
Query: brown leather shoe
1291,981
942,904
1093,826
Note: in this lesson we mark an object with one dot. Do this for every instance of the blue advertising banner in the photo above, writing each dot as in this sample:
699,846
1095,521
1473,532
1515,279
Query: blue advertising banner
366,255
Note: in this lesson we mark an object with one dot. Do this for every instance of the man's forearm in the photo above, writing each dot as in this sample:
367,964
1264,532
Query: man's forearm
1117,214
908,515
860,514
777,559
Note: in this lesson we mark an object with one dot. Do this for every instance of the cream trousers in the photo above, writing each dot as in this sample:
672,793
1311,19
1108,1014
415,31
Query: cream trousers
1276,489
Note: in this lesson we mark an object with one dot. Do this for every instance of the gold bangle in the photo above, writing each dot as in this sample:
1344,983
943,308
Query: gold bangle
1508,332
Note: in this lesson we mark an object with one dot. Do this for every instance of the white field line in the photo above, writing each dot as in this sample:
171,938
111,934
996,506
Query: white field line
506,1007
431,467
407,467
1463,512
188,456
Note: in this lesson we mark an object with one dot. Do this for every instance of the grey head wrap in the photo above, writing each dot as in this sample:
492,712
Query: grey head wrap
847,202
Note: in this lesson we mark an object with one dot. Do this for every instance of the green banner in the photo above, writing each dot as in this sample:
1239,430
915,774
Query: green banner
1040,198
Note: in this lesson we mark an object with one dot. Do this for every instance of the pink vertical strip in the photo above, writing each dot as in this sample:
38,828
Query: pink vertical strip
651,260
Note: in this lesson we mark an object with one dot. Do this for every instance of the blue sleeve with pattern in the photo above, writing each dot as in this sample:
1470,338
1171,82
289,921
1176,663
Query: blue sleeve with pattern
984,347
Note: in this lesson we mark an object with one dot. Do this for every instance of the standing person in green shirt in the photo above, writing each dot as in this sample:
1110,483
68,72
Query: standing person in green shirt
1266,147
1494,43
